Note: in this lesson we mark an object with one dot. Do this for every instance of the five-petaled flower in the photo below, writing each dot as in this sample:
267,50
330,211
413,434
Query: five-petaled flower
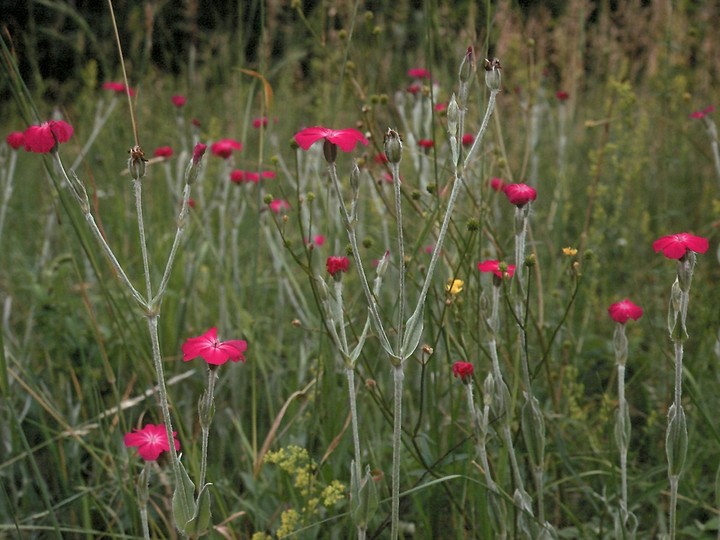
118,88
426,144
621,311
178,100
520,194
225,147
418,73
151,441
703,112
562,96
212,350
464,370
493,266
346,139
497,184
675,246
15,140
279,205
163,151
454,286
337,264
42,138
468,139
258,122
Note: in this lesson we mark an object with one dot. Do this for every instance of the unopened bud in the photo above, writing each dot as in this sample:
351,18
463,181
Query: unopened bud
383,265
467,66
136,163
393,146
493,77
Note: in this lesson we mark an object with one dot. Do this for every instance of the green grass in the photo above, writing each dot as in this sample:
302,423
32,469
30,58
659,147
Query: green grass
76,352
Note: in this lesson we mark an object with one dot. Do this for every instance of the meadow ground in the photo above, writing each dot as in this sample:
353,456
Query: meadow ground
459,242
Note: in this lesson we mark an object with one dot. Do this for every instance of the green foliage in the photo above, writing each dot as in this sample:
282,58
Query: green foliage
616,166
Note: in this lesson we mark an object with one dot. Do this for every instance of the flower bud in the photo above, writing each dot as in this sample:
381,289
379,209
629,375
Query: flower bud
393,146
136,163
676,439
493,77
467,66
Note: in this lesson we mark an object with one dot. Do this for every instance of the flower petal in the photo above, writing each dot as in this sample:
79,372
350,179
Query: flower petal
309,136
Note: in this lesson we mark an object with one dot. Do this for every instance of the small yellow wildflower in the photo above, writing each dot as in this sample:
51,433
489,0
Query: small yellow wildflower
333,493
569,251
454,286
261,536
289,521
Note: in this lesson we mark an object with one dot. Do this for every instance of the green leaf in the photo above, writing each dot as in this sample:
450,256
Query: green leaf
413,333
200,522
183,501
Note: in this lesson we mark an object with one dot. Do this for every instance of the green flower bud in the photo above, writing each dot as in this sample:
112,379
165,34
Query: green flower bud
393,146
493,77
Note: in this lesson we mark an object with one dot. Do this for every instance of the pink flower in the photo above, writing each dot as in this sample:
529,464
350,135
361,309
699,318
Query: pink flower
494,267
380,158
675,246
163,151
318,240
268,175
418,73
414,88
151,441
42,138
497,184
279,205
257,122
621,311
15,139
178,100
520,194
468,139
440,107
702,113
464,370
118,88
346,139
195,122
224,147
562,96
237,176
191,202
212,350
198,152
426,144
336,264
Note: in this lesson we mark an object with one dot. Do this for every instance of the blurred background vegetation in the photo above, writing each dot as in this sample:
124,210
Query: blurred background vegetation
616,164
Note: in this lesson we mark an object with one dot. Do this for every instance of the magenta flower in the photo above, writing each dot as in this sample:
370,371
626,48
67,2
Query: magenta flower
279,205
346,139
42,138
257,122
118,88
562,96
15,140
212,350
464,370
198,152
178,100
163,151
336,264
225,147
675,246
497,184
494,267
468,139
426,144
702,113
418,73
414,89
520,194
151,441
621,311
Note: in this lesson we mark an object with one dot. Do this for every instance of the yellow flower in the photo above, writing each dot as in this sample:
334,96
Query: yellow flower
569,251
454,286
